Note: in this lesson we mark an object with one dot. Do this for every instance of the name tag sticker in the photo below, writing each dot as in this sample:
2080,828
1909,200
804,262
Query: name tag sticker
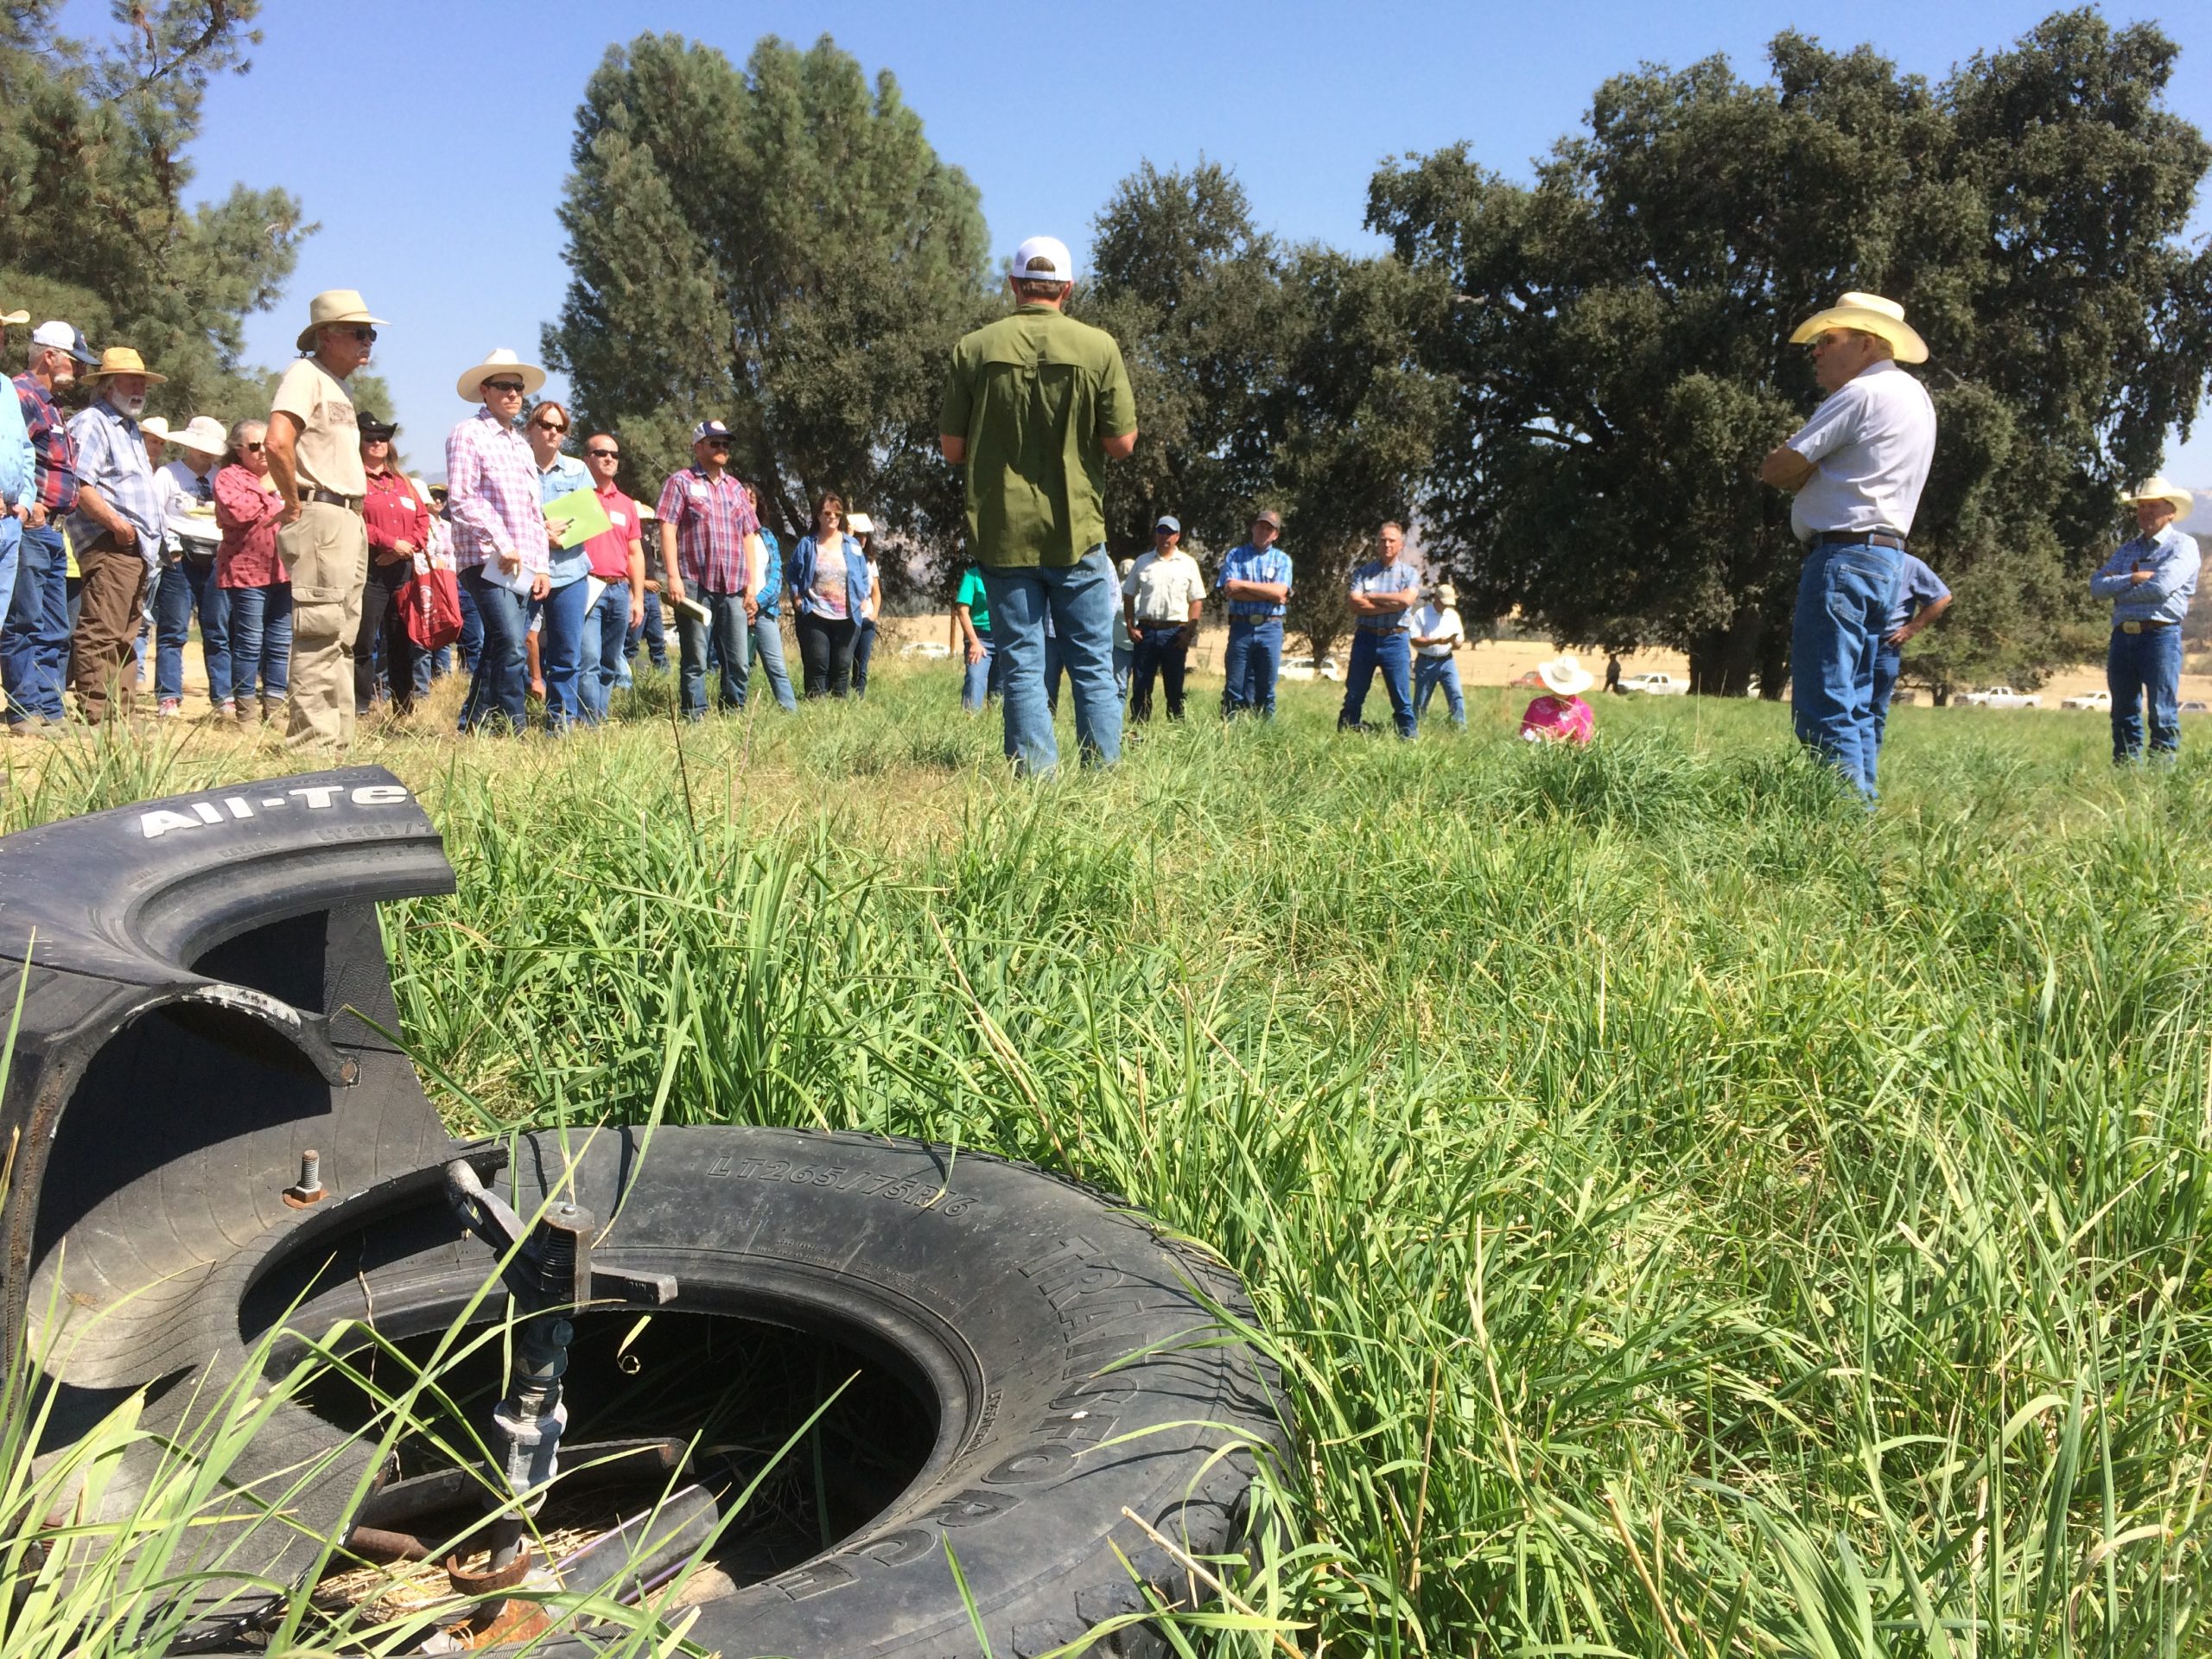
620,518
407,504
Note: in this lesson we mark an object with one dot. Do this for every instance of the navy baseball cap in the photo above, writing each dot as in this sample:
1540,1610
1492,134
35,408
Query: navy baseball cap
706,429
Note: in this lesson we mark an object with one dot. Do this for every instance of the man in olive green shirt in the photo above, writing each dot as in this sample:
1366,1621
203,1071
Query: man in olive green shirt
1036,404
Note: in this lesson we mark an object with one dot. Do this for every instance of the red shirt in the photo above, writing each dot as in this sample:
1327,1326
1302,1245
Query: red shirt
248,514
610,548
394,513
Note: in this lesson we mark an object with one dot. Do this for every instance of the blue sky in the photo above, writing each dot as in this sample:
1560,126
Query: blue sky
431,141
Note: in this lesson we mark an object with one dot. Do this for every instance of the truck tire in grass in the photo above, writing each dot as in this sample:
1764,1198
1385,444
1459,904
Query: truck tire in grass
204,997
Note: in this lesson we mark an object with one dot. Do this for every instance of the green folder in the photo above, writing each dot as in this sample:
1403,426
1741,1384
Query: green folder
587,517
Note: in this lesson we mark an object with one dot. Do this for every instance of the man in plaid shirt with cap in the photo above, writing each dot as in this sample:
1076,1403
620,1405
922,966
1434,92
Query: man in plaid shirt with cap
710,542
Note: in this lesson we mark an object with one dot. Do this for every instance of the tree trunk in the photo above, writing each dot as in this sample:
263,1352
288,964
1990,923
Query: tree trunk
1723,660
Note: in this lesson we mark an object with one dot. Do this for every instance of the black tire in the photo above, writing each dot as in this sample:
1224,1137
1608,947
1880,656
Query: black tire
1010,1299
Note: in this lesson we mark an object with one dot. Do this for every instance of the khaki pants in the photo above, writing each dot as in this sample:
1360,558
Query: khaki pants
327,551
100,655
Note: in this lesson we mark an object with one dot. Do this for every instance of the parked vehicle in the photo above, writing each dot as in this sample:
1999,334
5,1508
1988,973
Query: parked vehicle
2101,700
2002,696
2194,707
1656,685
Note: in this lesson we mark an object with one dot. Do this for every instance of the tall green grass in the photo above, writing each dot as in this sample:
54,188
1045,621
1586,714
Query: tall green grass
1696,1216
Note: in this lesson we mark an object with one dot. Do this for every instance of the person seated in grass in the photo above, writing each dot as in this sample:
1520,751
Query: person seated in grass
1561,715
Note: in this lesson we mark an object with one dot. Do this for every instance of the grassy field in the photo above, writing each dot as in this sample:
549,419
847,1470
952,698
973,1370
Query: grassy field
1697,1217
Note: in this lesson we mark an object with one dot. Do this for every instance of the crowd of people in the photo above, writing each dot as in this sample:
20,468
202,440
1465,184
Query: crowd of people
323,577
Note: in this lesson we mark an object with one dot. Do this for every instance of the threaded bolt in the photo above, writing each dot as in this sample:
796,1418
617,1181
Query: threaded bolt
309,1189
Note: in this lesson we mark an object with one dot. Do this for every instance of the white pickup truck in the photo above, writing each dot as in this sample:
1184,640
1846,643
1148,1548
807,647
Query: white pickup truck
2002,696
1654,685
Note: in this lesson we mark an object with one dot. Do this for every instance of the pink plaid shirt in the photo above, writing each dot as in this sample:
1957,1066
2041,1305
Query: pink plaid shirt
491,493
712,521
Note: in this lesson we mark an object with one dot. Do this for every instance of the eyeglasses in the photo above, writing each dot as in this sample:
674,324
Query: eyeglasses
604,455
504,385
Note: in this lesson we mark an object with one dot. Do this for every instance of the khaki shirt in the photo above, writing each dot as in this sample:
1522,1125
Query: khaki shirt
329,453
1036,395
1164,590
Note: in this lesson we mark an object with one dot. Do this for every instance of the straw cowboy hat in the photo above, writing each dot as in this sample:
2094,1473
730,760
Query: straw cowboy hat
202,432
1564,676
1870,315
2158,487
14,318
471,384
122,360
333,305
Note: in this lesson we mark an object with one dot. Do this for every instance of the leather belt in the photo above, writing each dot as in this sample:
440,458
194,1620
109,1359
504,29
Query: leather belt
2143,627
330,499
1858,537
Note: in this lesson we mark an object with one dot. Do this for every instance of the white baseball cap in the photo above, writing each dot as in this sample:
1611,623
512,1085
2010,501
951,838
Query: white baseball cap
1043,259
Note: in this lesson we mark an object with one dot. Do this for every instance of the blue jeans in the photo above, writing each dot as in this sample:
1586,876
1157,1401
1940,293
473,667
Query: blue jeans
651,633
606,635
498,689
1081,599
1889,663
863,648
261,642
35,642
1253,661
1124,656
11,541
1392,653
730,638
1843,611
2140,666
472,629
561,652
189,585
1164,652
1429,672
768,646
983,678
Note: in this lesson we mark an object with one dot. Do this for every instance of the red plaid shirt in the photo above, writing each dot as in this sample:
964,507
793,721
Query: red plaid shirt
57,455
712,520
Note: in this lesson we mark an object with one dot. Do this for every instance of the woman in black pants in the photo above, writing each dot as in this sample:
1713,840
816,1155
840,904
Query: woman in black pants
830,588
397,516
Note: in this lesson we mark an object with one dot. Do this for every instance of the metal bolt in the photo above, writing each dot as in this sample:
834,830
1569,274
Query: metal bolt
310,1188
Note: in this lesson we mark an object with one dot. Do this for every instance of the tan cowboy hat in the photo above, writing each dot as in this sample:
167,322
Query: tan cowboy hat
1870,315
202,432
14,318
2158,487
471,384
153,426
333,305
1447,594
1564,676
122,360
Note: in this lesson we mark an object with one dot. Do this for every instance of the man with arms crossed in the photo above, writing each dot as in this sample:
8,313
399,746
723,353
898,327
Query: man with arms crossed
1255,580
1384,591
1035,404
1857,468
2150,581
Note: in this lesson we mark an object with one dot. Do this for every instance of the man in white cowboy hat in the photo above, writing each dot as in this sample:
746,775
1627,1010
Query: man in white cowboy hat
315,459
500,544
2150,581
1035,407
187,582
1857,468
34,641
116,530
1438,633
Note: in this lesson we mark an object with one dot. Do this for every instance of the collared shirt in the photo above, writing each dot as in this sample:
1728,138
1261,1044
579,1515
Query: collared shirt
327,454
1869,444
1551,719
1036,395
2173,560
826,584
1164,589
1917,588
56,456
491,493
111,458
1247,563
1398,576
770,599
565,564
609,550
189,508
712,519
394,512
248,512
18,460
1440,622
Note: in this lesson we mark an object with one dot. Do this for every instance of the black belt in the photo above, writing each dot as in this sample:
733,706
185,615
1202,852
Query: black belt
1858,537
1145,622
330,499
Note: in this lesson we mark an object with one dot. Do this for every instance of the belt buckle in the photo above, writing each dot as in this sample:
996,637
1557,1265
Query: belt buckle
2131,627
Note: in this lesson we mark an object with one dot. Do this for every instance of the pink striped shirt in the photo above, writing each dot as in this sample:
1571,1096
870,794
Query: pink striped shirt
1560,720
491,493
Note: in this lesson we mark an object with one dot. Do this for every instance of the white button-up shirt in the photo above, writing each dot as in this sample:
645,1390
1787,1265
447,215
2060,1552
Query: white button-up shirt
1870,444
1165,589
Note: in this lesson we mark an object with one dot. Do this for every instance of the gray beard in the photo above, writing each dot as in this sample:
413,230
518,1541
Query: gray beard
134,407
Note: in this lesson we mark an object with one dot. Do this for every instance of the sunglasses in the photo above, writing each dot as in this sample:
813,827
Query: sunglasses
717,443
366,336
502,386
549,426
604,455
253,448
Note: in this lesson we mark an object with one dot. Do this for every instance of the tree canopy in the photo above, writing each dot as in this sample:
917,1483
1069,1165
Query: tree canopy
1617,336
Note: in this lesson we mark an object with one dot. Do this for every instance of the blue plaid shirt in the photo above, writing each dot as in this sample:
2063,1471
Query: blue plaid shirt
111,458
2170,557
1247,563
1396,577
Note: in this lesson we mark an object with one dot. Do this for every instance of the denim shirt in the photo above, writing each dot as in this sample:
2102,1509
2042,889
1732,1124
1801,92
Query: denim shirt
2172,558
771,596
802,583
564,564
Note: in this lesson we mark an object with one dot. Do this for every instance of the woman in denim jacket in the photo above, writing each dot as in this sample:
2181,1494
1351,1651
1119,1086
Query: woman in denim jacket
829,589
